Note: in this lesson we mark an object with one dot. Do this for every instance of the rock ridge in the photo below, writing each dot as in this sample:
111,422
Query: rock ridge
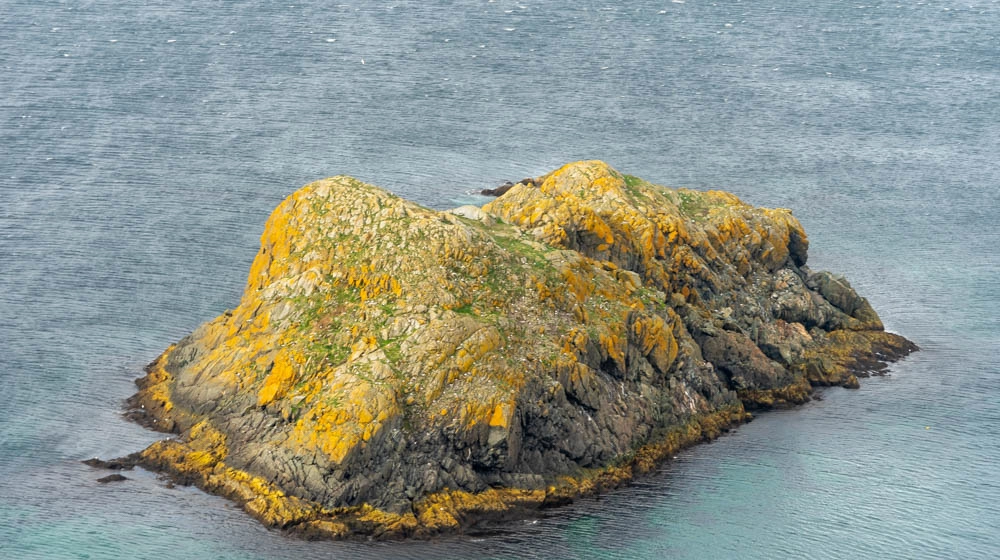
394,371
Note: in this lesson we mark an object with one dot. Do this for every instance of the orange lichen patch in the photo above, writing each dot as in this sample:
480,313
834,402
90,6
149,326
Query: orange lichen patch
502,415
155,387
592,223
608,184
363,346
202,436
577,283
283,374
375,521
673,227
284,234
480,343
437,518
341,416
655,339
372,284
200,462
613,348
205,447
243,325
260,498
336,443
575,341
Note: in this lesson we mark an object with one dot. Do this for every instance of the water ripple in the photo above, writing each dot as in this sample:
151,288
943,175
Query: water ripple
136,175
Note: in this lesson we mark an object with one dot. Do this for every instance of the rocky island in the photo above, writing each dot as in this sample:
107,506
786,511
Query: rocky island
396,371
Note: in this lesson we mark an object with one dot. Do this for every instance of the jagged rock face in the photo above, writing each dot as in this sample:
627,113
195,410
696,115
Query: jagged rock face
395,370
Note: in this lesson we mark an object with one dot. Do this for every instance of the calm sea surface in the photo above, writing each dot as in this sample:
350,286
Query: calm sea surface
143,144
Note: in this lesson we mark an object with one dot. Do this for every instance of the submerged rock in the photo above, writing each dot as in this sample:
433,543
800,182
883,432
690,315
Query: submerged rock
112,478
502,189
396,371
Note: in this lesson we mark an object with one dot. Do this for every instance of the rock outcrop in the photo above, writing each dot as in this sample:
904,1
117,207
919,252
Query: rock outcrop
397,371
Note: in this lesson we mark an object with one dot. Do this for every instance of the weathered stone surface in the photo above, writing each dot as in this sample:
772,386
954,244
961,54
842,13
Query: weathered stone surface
395,371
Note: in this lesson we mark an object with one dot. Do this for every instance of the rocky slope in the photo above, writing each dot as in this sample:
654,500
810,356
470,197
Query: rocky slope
396,371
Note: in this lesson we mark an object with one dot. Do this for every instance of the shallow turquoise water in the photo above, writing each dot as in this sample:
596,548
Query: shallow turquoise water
144,146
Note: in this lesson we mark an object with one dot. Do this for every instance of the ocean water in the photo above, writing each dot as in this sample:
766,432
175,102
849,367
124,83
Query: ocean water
143,144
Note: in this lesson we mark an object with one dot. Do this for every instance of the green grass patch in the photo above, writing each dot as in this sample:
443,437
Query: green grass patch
693,205
392,347
514,246
329,352
634,186
631,181
466,309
